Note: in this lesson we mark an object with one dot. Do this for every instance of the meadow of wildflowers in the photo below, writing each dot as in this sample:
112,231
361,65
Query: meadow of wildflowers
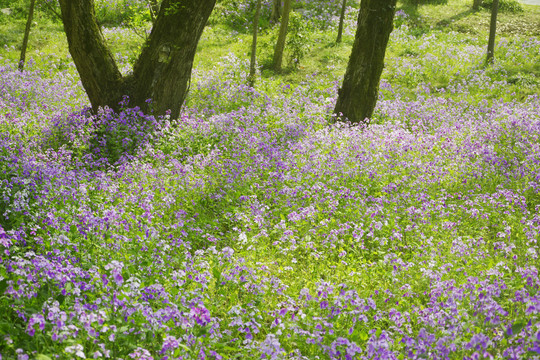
252,227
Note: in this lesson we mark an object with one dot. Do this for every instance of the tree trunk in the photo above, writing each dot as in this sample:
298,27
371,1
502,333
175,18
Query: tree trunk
341,19
99,74
276,11
162,71
492,32
251,77
280,44
22,59
476,5
358,94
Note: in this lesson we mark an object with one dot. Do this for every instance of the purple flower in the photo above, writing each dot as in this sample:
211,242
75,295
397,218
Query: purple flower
35,319
200,314
21,355
170,343
271,348
141,354
5,241
116,271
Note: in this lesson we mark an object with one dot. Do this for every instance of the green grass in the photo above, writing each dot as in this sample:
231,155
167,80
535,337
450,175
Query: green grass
47,42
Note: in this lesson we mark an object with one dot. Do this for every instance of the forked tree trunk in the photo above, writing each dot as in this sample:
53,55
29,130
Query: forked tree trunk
358,94
280,44
252,69
162,71
341,19
492,32
22,59
276,11
476,5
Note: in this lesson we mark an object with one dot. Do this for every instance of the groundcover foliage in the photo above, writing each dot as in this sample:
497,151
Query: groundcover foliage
251,227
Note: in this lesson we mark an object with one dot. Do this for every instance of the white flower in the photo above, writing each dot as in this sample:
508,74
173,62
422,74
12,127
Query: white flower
242,238
76,349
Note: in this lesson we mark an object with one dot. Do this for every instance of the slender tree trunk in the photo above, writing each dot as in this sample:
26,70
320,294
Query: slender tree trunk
22,59
492,32
358,94
276,11
162,71
341,19
280,44
476,5
252,69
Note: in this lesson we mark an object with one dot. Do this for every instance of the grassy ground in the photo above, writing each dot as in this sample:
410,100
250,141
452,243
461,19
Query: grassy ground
253,228
323,55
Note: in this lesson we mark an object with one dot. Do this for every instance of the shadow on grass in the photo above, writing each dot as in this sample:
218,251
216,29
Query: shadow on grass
456,17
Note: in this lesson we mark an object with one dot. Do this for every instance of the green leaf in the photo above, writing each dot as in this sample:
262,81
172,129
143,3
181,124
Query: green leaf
42,357
60,298
43,291
123,329
230,348
217,275
362,334
178,351
518,326
3,286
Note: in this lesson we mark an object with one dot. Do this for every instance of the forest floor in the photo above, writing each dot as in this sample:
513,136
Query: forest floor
254,227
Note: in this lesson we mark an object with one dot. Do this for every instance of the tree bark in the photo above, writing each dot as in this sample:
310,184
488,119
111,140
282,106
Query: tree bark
22,59
341,19
276,11
99,74
280,44
476,5
162,71
492,32
251,77
358,94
